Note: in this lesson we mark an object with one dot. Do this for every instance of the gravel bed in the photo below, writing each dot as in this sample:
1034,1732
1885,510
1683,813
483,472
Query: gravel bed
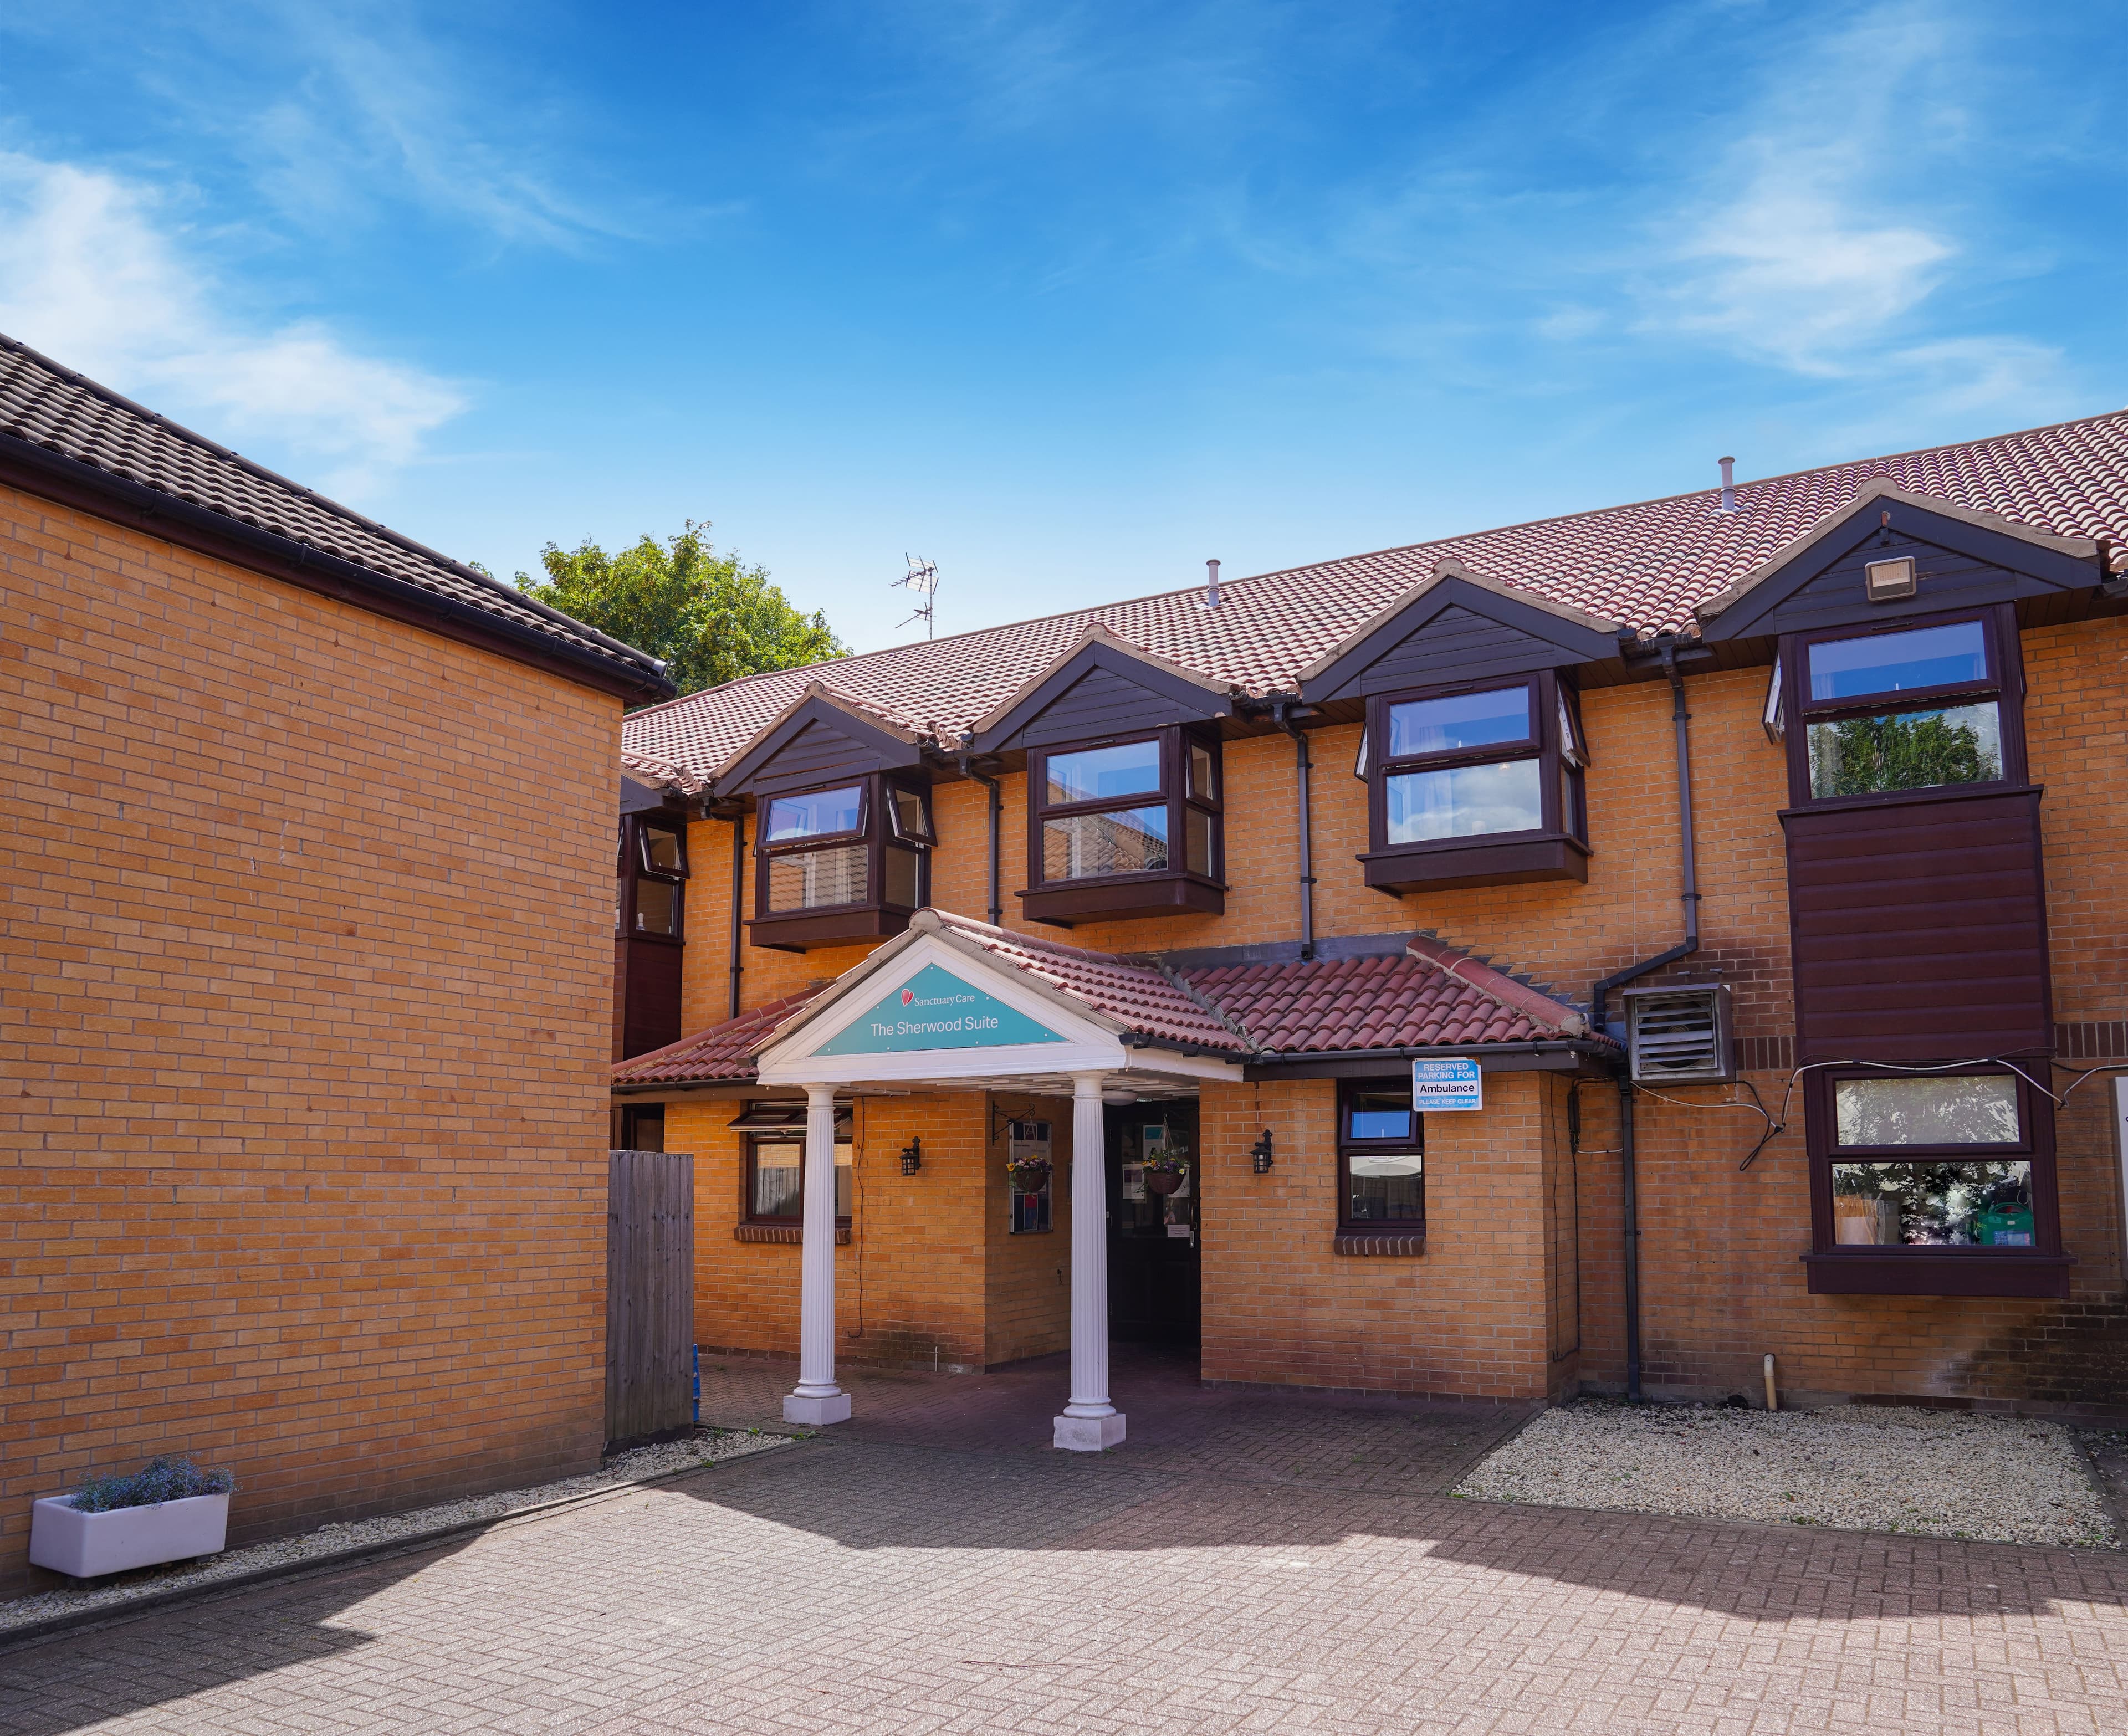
1932,1473
708,1448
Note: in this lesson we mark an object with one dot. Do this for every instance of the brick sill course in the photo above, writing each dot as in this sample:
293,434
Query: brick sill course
1374,1243
790,1234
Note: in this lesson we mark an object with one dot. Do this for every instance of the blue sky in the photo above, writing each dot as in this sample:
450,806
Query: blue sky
1066,297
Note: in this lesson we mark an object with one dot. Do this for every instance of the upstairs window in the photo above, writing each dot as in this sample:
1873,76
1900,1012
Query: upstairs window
849,860
1107,819
1906,707
1458,770
651,893
1382,1158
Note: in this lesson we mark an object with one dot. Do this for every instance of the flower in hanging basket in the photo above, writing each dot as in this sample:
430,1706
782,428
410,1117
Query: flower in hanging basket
1028,1176
1165,1167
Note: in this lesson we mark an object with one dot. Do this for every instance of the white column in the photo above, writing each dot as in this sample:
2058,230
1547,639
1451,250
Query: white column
817,1399
1090,1422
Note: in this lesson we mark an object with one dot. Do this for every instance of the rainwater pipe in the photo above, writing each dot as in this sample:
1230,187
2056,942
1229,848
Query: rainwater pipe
1681,723
1281,715
996,807
738,892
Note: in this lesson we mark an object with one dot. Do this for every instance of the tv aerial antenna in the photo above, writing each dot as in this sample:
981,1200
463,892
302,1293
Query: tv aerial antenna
922,578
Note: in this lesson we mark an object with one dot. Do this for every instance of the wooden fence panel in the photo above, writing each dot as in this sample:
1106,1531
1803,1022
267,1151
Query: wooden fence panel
649,1293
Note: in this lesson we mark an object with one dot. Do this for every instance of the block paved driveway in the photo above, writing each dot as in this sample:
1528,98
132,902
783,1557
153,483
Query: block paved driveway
1246,1562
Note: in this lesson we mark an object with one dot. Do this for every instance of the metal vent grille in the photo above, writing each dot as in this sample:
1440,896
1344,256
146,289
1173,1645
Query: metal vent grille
1679,1035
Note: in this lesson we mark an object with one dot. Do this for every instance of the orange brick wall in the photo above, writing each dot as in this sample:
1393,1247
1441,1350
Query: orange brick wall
303,1047
1471,1317
1722,1280
930,1272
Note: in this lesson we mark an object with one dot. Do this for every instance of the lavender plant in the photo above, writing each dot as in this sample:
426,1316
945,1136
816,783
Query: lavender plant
167,1477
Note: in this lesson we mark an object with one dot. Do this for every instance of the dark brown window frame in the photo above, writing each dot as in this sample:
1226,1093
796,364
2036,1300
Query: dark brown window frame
1171,891
1557,849
873,916
755,1139
2041,1270
1349,1227
632,871
2006,686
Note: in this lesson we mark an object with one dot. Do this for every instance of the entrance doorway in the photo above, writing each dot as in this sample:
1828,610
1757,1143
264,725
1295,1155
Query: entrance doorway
1154,1292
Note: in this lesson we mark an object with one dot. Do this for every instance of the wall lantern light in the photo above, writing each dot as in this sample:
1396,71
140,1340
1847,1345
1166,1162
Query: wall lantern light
912,1157
1260,1155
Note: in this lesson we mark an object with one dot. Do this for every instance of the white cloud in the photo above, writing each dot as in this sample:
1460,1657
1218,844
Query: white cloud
91,274
1801,276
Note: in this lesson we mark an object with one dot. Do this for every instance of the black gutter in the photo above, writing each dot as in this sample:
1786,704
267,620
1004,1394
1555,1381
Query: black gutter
628,673
996,805
1280,715
1421,1051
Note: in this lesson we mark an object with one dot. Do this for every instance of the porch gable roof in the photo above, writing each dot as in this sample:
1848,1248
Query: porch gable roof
1430,995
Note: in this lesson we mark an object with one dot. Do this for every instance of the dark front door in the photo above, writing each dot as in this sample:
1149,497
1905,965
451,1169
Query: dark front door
1152,1236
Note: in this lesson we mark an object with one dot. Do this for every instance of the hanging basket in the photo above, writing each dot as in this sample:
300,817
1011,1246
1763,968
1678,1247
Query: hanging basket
1163,1181
1027,1178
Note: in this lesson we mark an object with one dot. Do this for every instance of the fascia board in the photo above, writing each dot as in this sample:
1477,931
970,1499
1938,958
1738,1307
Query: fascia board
1027,701
792,1059
1586,638
764,740
1873,495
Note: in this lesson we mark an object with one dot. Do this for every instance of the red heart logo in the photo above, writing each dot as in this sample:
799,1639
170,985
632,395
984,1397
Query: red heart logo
907,996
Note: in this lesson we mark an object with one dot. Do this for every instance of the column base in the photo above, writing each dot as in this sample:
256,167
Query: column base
814,1413
1090,1433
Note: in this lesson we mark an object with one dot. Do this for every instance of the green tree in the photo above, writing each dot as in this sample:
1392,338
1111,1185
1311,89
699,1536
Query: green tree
1913,750
712,618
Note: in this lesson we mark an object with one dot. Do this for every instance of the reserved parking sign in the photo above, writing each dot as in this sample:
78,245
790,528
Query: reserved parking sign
1449,1082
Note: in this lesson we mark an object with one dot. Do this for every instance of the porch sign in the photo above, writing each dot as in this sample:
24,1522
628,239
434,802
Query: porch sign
1450,1083
934,1009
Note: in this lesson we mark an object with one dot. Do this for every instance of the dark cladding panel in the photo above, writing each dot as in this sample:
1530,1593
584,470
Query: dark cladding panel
1458,645
816,755
1105,702
1947,579
1920,930
650,996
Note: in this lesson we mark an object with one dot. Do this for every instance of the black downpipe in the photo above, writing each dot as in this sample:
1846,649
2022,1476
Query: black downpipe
1632,1239
996,808
738,892
1680,723
1302,765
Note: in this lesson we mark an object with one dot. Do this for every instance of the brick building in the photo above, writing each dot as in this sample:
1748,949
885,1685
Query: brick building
1592,954
304,1036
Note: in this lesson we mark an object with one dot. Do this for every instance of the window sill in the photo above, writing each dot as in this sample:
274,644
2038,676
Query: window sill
791,1234
1952,1272
800,930
1374,1244
1444,863
1119,897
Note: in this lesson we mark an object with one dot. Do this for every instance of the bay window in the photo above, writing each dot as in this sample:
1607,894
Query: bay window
1907,707
1936,1182
1475,785
1125,828
847,861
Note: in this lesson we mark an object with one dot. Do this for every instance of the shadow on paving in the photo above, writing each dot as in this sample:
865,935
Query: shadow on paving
868,1495
65,1681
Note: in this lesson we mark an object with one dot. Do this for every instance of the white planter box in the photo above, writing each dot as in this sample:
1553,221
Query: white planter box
87,1544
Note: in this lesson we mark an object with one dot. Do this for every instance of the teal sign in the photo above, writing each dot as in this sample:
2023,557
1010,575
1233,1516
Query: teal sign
934,1009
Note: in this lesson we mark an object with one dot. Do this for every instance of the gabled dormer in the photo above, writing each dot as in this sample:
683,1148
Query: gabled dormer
1472,747
1126,813
842,832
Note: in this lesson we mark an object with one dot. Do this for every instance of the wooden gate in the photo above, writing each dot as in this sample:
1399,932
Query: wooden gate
649,1293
